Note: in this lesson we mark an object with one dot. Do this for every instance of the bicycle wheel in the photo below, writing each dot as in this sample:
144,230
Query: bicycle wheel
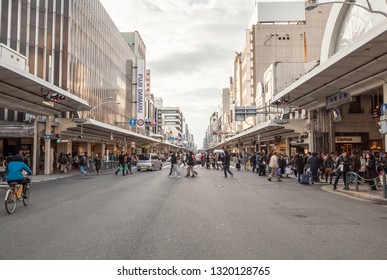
10,201
26,199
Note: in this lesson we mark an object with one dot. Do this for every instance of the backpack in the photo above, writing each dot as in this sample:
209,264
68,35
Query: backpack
3,166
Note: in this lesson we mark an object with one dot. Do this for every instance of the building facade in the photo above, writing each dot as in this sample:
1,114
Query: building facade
72,47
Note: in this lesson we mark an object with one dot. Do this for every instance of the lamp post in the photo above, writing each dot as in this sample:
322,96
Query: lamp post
348,2
103,102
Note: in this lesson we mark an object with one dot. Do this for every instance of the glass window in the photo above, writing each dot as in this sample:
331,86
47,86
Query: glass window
11,115
4,22
356,22
144,157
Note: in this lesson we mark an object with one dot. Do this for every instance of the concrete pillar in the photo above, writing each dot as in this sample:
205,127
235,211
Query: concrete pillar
385,101
69,147
311,132
35,147
47,148
103,149
88,149
287,142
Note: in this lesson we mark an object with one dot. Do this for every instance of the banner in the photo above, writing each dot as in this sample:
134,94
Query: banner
140,90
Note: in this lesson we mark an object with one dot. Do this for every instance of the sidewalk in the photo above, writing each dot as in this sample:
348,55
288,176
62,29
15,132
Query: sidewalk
364,190
56,176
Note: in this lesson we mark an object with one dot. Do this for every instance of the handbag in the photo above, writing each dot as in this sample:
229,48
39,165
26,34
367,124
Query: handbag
329,170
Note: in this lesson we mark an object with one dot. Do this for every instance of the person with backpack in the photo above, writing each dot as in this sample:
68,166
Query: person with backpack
191,163
3,169
63,162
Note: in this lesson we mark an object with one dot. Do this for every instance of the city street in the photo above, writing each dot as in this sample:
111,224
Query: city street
148,215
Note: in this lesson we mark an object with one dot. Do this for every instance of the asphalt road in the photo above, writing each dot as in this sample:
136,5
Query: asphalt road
150,216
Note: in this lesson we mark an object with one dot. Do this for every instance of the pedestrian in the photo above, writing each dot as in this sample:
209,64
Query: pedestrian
121,163
83,164
128,164
170,159
97,163
70,161
313,163
343,164
300,166
253,162
371,173
282,164
63,162
261,164
3,169
238,163
191,164
175,166
226,164
329,165
76,160
274,166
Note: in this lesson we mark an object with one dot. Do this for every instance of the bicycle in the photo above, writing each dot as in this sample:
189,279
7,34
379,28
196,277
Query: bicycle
14,195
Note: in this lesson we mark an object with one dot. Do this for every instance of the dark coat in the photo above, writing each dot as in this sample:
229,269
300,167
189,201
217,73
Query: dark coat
300,164
313,163
371,169
347,162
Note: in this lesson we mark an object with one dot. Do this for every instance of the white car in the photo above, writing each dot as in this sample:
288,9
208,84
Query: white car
149,162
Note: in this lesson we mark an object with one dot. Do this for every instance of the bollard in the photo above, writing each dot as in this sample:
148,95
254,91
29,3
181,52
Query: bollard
384,185
357,182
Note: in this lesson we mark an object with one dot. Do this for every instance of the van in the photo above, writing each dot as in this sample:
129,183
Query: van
149,161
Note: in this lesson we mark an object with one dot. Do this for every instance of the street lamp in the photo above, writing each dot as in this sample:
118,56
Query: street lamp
348,2
103,102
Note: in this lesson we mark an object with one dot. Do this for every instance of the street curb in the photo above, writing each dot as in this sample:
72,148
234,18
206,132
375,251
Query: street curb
371,198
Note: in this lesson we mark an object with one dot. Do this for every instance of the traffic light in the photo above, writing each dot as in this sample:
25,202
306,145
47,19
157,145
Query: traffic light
55,97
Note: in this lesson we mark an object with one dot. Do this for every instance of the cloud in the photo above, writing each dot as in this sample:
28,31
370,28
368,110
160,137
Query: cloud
190,48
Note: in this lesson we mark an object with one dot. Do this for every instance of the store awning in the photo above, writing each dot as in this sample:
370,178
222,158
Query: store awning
94,131
268,131
24,92
360,67
15,131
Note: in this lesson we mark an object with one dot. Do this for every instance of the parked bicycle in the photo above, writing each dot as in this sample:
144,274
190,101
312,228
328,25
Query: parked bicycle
14,195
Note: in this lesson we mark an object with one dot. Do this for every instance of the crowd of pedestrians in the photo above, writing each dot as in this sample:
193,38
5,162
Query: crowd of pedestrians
318,167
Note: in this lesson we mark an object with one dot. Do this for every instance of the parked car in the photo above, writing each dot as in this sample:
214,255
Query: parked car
149,162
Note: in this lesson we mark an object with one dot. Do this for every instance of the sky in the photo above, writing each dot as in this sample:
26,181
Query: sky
190,49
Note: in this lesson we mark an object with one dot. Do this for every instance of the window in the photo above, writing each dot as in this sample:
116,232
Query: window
144,157
355,107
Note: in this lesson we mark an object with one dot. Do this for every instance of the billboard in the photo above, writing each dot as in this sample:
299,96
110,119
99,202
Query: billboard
280,11
140,89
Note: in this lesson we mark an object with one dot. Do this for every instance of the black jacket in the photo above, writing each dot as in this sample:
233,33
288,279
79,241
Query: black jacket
173,159
226,159
300,164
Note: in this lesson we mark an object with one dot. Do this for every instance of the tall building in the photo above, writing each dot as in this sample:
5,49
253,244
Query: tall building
170,124
72,73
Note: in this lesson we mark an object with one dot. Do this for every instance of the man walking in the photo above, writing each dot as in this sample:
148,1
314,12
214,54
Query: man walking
274,165
121,161
83,164
313,163
226,164
175,167
191,164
